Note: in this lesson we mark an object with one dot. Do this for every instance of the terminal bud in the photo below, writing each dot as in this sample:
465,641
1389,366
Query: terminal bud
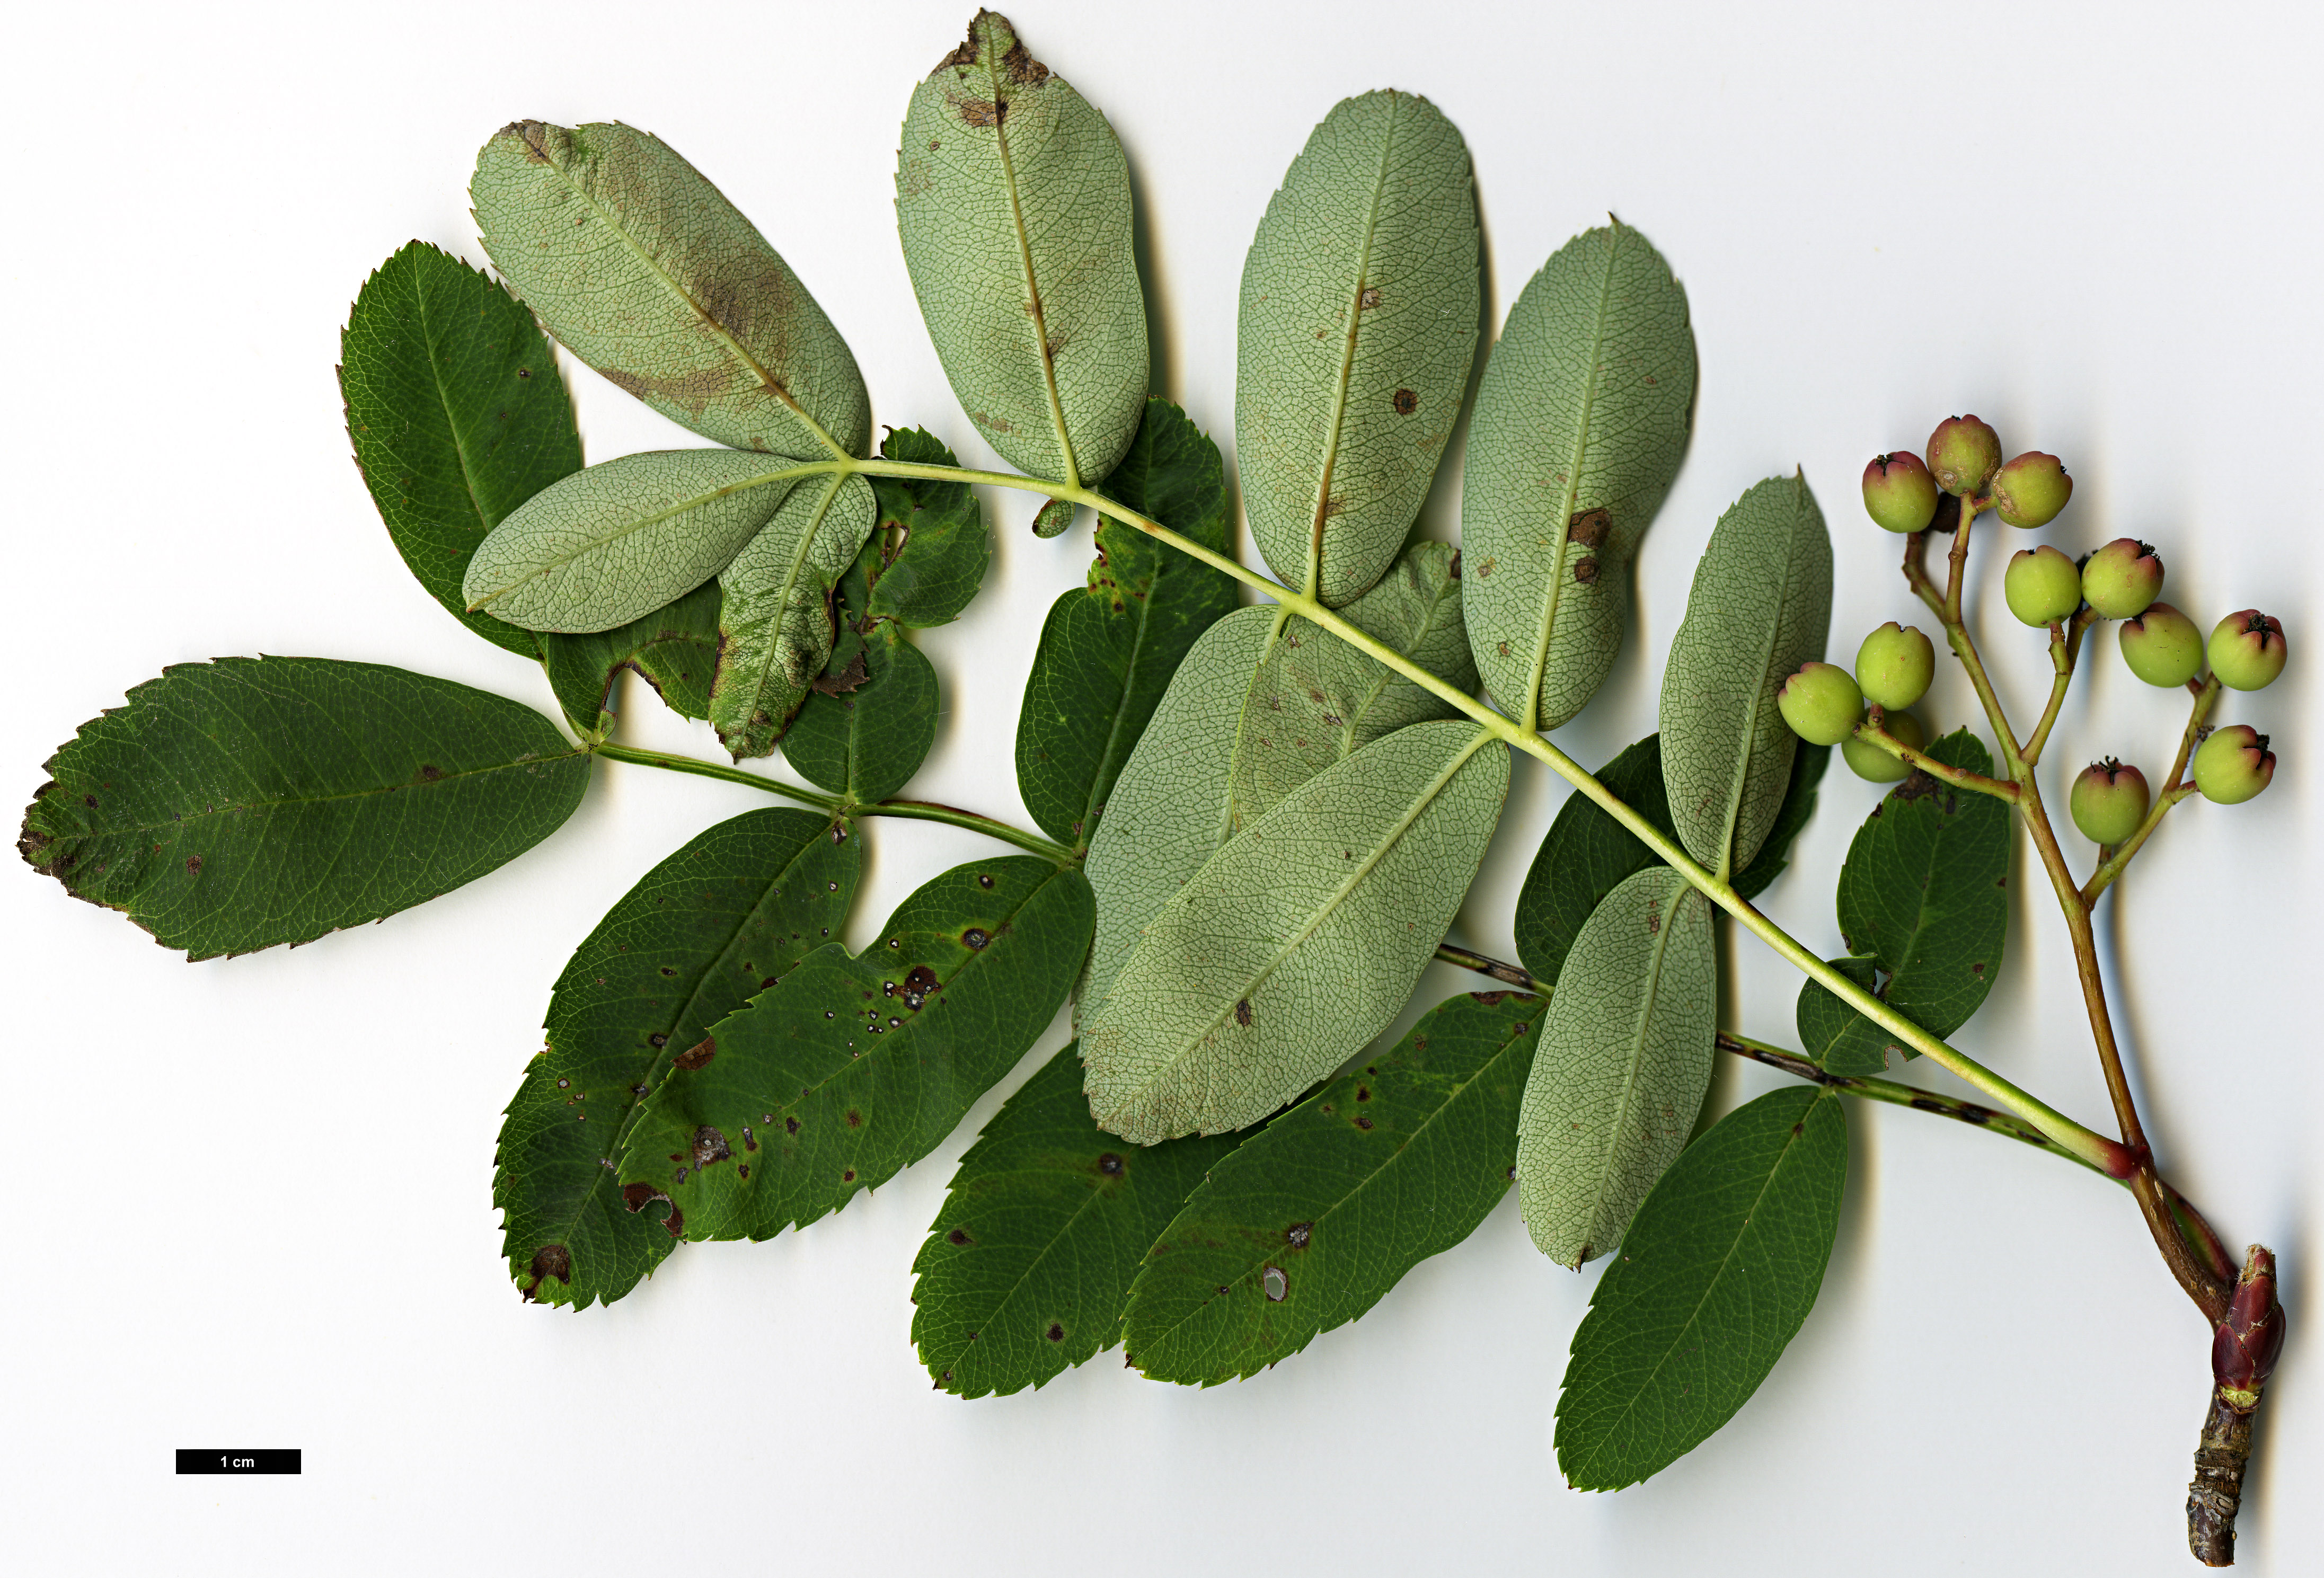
2162,646
1963,455
1821,703
2109,801
2246,1343
2234,764
2121,579
1870,762
2041,585
1894,666
2247,650
1899,494
2031,490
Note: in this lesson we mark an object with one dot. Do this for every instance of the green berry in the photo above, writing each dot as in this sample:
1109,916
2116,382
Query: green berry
2042,586
1899,494
2247,650
2234,764
1821,703
2031,490
2163,645
1874,765
1963,455
1894,666
2109,801
2122,578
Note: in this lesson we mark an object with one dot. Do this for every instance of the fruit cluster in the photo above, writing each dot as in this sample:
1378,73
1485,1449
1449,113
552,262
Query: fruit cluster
1963,474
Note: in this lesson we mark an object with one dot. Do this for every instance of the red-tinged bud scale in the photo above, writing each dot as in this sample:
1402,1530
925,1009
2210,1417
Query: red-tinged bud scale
2247,650
2246,1345
1899,494
2122,579
2031,490
1963,455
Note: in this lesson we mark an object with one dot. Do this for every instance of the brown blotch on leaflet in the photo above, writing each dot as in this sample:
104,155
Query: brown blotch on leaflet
855,1118
1242,1011
530,134
1589,527
429,773
1056,1334
637,1196
709,1146
1368,297
550,1260
698,1056
1585,568
958,1236
1405,402
194,864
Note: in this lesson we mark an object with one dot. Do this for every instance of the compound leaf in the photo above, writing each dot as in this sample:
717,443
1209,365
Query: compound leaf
1718,1275
1026,1270
1925,893
1108,651
1586,853
701,933
457,416
776,627
1310,1222
1012,198
1758,609
644,271
235,805
615,543
674,649
1298,941
1582,420
1357,330
1625,1058
934,548
851,1069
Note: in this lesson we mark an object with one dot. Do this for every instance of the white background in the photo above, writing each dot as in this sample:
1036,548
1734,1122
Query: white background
252,1199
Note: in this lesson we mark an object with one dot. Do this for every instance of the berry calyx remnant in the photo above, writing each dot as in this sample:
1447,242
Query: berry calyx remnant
1963,455
2234,764
2041,585
1870,763
2247,650
2122,580
2109,801
1821,703
2162,646
1899,494
1894,666
2031,489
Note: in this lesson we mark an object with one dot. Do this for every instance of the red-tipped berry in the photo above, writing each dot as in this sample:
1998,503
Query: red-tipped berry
1899,494
2122,578
1821,703
2031,490
1895,665
2042,586
2163,645
1870,762
2109,801
1963,455
2234,764
2247,650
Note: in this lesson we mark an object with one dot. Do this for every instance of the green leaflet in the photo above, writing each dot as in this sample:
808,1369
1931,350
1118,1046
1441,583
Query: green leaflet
850,1069
1353,344
1580,423
1624,1061
934,548
1298,941
1012,198
624,538
1586,853
457,414
1025,1272
1833,1034
775,621
235,804
1315,699
866,741
674,649
642,269
1758,609
1310,1223
1108,651
700,934
1240,718
1925,894
1720,1271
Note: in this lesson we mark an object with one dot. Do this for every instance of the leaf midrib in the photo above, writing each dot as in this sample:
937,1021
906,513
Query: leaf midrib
293,801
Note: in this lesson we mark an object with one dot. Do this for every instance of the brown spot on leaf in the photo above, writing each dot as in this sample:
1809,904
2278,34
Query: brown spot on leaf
1363,1123
958,1237
551,1260
429,773
847,1177
981,112
698,1056
855,1118
1110,1165
976,937
1297,1234
1589,527
1585,568
1056,1334
790,1125
194,864
1405,402
1023,67
1242,1011
709,1146
1368,297
849,678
